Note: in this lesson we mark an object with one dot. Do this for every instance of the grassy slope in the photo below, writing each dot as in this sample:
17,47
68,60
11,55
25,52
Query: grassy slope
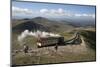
52,57
90,38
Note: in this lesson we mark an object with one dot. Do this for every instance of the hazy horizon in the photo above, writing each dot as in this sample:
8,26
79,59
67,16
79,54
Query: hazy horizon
76,13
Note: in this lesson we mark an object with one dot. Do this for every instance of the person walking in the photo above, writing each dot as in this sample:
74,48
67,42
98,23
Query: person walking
56,47
26,48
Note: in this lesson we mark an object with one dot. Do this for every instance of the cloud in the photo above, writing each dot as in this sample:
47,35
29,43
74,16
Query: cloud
93,15
60,12
17,10
54,12
43,10
84,15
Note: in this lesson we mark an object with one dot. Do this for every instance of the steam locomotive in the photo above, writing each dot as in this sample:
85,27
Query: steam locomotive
49,41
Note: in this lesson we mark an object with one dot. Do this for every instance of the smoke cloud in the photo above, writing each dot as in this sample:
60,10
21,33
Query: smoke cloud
36,34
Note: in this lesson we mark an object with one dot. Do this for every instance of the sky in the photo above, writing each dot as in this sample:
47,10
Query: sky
51,10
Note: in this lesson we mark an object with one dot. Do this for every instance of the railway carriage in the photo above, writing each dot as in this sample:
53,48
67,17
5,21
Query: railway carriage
49,41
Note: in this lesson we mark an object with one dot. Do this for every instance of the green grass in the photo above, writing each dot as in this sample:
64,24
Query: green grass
30,41
20,59
67,35
90,38
45,59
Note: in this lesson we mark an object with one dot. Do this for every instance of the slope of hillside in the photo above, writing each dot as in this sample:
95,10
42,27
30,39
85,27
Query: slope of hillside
40,23
67,53
89,38
29,25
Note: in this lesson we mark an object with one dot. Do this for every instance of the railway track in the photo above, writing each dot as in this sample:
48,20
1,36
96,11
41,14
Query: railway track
50,50
74,40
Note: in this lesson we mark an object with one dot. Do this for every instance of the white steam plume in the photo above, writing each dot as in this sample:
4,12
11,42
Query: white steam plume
35,34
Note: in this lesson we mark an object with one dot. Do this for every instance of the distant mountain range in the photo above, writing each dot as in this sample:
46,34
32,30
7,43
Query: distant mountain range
44,24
